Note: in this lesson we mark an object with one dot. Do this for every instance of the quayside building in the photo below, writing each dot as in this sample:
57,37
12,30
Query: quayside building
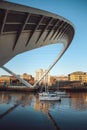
78,76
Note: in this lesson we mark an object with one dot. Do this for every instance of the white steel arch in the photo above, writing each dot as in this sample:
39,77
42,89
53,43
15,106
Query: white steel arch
24,28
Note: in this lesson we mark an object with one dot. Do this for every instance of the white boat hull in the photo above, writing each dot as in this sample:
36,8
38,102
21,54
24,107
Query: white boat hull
49,98
47,93
61,92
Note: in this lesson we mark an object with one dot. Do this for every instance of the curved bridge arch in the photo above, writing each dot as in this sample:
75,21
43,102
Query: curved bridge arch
24,28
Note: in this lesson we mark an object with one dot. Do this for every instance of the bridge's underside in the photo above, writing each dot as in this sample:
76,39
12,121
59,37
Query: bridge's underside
25,28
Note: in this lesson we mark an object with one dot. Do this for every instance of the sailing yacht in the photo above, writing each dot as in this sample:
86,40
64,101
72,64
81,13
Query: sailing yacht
61,93
49,96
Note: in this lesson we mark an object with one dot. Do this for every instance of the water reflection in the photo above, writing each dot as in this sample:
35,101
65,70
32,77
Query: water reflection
8,111
23,107
14,98
79,101
25,111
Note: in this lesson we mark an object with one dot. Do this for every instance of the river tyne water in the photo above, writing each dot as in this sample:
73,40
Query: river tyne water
24,111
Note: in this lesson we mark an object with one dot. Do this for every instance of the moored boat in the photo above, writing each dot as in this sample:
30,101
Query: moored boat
62,94
49,97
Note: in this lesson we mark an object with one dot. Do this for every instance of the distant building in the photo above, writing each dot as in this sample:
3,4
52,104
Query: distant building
31,80
28,78
4,80
54,80
78,76
25,76
61,78
45,80
14,80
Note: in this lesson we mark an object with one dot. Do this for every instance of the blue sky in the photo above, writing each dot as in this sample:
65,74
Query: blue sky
74,59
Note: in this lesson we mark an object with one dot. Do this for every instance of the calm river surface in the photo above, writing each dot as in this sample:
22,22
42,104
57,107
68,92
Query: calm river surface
24,111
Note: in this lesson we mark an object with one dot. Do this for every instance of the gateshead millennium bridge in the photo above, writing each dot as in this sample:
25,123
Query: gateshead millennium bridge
24,28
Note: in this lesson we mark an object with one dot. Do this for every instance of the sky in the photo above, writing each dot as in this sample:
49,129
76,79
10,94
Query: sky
74,59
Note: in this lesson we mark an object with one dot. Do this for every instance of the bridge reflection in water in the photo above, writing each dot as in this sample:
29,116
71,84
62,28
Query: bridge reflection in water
25,111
